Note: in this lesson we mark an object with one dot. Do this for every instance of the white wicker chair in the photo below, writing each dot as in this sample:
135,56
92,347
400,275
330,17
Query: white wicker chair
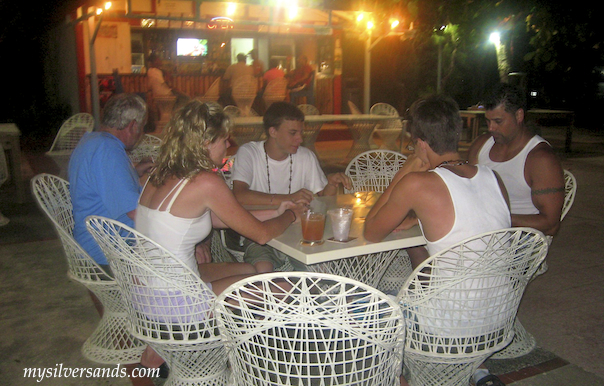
67,139
388,131
243,134
361,132
244,91
524,342
148,147
372,171
169,306
570,190
110,342
275,91
325,330
213,92
460,304
311,130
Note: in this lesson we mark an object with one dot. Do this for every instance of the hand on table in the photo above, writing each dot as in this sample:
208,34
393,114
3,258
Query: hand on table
302,195
339,178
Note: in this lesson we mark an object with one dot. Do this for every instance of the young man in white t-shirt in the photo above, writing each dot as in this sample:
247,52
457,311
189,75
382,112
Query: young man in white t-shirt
279,169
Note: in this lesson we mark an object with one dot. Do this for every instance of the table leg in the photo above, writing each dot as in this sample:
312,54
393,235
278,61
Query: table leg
389,137
367,269
310,134
360,132
475,126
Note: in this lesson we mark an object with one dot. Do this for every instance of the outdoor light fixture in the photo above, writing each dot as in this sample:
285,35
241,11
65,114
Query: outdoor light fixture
108,5
369,24
360,16
231,8
220,22
495,38
394,24
99,11
292,11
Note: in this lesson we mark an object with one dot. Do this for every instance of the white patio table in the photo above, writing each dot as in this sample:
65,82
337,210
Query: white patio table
289,241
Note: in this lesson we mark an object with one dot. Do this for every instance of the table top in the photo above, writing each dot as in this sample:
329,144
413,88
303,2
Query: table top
9,129
257,120
289,241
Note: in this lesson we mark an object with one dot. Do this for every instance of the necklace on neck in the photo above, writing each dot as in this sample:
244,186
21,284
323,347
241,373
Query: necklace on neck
456,162
268,173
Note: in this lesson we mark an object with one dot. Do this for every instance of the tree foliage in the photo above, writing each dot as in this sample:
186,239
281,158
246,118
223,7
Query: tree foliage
558,45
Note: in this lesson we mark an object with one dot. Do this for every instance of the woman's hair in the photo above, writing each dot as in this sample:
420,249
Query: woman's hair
436,121
184,152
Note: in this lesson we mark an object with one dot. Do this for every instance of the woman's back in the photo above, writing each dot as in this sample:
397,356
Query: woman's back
177,234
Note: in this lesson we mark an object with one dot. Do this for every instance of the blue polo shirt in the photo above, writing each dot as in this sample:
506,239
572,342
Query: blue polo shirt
103,182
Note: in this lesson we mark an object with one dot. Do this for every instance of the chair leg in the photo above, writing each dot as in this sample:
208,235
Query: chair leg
111,343
522,344
203,364
424,371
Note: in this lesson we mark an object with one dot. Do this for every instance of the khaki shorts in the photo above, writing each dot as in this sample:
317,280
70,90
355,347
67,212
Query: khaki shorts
255,253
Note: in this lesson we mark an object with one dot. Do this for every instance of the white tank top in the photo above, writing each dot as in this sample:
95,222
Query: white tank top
478,203
177,234
512,175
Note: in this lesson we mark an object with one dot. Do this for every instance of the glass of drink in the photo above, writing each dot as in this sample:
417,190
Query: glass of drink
340,222
313,225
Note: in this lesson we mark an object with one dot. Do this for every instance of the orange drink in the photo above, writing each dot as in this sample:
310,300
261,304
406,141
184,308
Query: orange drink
313,225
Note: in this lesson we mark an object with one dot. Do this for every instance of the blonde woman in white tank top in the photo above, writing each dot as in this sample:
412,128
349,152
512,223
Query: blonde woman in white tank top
184,199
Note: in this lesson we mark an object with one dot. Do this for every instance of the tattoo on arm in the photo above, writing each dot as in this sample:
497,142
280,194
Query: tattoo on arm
539,192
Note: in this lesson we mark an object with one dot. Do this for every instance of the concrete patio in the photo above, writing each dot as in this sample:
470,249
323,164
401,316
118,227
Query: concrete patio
46,317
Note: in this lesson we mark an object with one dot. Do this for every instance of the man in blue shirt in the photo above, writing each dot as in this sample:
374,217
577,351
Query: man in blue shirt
102,179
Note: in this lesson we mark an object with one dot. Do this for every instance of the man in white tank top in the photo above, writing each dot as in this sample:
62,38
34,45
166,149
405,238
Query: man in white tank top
451,199
526,163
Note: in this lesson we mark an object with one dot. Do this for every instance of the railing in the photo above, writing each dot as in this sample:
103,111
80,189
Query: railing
196,86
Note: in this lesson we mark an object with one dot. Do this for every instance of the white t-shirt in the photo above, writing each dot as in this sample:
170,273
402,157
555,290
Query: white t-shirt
250,167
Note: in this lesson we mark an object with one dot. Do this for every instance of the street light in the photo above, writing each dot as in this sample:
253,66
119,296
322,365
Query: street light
502,57
495,38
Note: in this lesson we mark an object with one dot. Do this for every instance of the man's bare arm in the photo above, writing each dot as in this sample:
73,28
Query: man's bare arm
544,175
246,196
391,211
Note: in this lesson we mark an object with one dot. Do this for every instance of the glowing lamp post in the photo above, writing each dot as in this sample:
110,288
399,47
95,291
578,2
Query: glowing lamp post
368,29
502,58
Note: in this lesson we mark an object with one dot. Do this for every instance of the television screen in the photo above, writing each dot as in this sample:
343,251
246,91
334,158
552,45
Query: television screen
191,47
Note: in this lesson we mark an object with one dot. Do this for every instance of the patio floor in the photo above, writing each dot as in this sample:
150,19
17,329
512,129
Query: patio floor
46,317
